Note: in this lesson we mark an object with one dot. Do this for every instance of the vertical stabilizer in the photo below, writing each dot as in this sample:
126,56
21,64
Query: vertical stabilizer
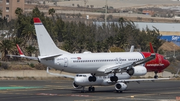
45,42
132,48
19,50
151,48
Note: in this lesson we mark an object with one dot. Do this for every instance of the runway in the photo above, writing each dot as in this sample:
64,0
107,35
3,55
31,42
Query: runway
62,90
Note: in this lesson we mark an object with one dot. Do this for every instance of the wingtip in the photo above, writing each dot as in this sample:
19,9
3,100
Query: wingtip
20,51
37,20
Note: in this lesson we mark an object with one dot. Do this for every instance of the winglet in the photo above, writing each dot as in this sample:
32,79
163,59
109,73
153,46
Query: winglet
37,20
19,50
132,48
151,48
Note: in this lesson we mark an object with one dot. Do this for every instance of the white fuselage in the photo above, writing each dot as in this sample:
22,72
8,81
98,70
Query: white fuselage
90,62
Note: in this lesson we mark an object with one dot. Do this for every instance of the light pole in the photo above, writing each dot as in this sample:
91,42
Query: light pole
106,13
174,52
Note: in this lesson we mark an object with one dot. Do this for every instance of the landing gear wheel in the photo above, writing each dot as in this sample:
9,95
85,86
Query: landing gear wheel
83,91
155,76
117,91
91,89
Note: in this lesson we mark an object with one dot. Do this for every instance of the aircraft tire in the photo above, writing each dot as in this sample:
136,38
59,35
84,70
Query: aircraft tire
93,89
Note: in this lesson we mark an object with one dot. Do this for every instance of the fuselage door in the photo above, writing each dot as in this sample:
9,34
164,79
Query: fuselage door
65,62
160,59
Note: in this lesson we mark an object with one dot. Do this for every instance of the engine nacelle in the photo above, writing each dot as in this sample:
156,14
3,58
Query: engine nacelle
76,86
137,71
120,86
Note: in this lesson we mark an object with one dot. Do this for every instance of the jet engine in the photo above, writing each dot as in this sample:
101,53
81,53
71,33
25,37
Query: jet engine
76,86
137,71
120,86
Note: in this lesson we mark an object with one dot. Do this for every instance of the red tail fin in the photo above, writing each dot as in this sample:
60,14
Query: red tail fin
151,48
19,50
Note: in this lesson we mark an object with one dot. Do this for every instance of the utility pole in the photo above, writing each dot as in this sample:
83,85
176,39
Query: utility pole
106,13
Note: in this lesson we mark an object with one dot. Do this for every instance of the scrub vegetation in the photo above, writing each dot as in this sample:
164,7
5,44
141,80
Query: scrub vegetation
74,36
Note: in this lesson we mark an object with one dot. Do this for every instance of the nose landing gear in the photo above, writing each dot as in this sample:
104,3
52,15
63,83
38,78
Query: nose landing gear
155,76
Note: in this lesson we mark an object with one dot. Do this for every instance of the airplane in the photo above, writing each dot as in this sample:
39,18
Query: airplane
82,80
96,64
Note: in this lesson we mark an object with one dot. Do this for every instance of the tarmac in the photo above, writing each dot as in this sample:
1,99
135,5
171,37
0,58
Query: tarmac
62,90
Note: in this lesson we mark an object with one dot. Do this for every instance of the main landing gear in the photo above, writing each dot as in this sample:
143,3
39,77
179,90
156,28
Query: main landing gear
114,78
91,89
155,76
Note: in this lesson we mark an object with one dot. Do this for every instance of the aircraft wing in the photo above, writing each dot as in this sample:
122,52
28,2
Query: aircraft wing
138,80
118,67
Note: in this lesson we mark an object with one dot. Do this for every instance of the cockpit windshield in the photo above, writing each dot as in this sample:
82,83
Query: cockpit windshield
164,58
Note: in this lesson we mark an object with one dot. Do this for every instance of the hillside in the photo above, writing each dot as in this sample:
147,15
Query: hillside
169,46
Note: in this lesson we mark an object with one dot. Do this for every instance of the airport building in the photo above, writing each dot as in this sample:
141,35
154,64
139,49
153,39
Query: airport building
8,8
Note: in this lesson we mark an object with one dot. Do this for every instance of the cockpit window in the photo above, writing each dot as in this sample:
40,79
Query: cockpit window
164,58
80,75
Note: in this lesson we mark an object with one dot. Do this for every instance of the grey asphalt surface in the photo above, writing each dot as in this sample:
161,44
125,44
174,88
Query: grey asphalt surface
62,90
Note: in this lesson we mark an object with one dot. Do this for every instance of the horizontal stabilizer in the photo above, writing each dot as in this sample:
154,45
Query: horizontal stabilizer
22,56
49,57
